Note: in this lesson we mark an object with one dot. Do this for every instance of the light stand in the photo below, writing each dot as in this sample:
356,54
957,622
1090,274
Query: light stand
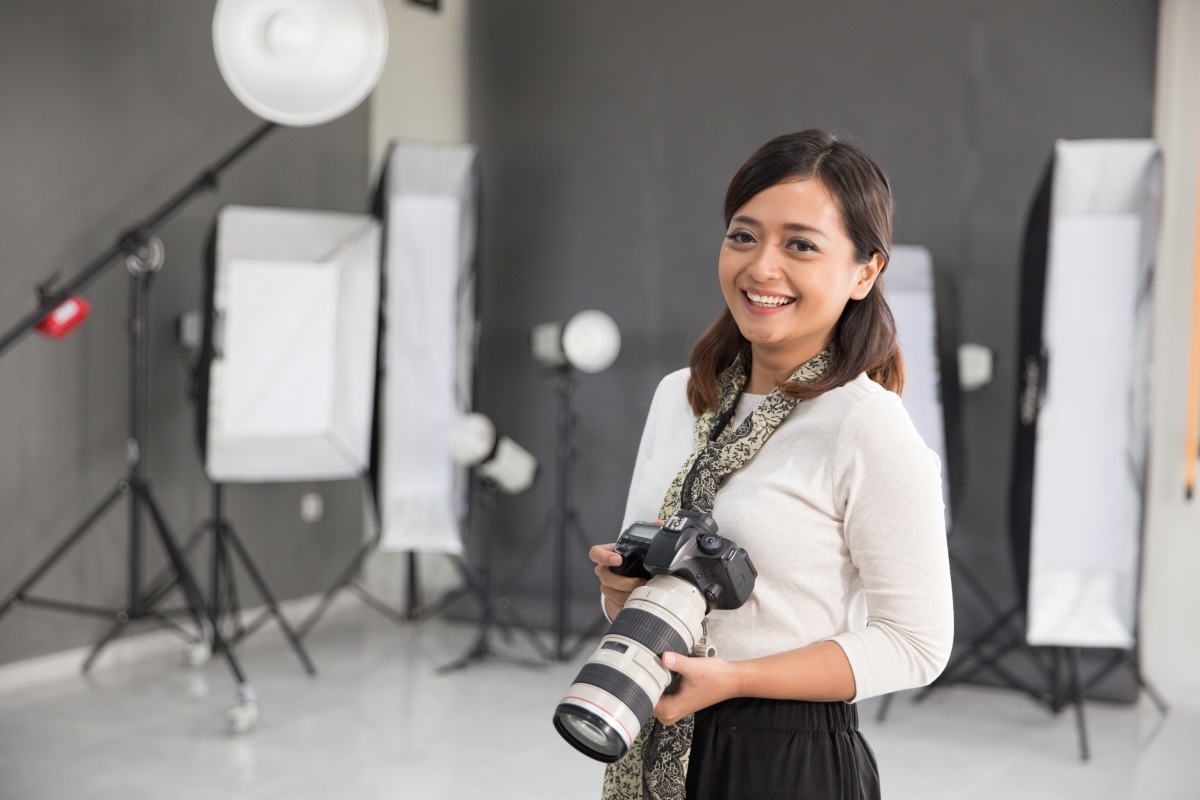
348,581
142,255
496,612
143,261
226,545
560,526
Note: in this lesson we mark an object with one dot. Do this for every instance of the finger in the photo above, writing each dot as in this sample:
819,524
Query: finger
615,596
610,578
604,554
676,662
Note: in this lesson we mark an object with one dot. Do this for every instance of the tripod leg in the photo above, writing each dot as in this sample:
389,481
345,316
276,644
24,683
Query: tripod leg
884,706
1155,697
35,575
260,583
191,587
113,632
1074,670
343,581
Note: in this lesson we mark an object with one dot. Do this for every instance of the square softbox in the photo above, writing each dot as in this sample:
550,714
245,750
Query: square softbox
429,207
290,343
1083,396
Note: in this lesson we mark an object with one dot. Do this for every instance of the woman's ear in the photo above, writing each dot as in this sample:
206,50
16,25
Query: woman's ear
867,273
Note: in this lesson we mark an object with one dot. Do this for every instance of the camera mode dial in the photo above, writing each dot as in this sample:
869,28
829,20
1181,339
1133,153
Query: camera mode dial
709,544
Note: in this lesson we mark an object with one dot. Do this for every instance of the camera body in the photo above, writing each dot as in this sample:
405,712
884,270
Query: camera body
689,546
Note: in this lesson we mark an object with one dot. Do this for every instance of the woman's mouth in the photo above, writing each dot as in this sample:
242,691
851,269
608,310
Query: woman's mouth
766,301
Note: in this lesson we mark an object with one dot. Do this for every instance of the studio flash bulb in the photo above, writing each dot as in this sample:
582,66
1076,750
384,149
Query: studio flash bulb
590,342
474,444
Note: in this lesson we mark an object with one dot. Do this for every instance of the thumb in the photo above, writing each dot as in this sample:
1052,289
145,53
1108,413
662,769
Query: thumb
678,663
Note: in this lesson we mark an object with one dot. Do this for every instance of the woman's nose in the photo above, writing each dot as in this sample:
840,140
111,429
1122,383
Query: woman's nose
766,267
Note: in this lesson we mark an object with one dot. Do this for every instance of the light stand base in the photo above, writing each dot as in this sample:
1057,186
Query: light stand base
227,545
497,613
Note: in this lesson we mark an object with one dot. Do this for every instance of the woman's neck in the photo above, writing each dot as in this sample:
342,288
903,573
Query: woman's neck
772,365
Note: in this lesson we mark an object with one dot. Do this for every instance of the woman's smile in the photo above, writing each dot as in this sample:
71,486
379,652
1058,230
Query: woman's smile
761,302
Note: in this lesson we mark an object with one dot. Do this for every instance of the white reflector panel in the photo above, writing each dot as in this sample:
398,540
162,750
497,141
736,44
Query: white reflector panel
1092,424
291,384
429,344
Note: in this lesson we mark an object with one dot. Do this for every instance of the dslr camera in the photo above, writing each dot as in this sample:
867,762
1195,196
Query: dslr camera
691,570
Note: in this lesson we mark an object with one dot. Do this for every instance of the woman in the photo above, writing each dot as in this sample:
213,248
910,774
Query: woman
787,427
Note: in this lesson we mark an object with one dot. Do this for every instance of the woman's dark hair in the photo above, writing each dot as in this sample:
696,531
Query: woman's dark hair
865,334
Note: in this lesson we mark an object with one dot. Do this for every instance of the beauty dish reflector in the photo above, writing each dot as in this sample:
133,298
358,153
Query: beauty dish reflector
590,342
300,62
287,370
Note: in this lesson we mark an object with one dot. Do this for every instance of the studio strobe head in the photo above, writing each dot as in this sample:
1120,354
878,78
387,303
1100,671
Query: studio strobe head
616,691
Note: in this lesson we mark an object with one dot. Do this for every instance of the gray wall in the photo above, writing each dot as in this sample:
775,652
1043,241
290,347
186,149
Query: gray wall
105,109
610,130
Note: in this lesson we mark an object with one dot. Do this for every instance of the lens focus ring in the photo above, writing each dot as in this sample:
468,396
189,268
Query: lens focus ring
654,632
620,686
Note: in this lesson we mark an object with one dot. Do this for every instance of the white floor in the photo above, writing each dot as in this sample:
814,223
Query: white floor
380,723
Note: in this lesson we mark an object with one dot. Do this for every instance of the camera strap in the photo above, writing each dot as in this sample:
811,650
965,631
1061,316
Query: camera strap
656,765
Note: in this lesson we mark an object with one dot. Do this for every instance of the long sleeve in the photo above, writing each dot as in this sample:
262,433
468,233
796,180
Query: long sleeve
889,487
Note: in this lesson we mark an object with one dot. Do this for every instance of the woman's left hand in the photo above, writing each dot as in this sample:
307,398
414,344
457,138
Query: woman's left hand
706,681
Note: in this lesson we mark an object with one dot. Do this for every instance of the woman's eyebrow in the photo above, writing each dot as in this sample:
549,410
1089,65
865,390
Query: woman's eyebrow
800,226
742,219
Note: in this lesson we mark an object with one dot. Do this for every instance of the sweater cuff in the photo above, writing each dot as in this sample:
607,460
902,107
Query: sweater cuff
604,609
852,646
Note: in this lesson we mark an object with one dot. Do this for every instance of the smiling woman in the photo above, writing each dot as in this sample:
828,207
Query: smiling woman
790,433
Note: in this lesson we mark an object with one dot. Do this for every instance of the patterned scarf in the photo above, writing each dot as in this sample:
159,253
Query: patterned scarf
655,768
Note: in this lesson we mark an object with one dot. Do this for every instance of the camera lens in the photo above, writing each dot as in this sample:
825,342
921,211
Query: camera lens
710,544
589,733
614,693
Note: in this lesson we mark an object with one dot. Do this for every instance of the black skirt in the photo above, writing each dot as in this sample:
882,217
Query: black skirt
753,749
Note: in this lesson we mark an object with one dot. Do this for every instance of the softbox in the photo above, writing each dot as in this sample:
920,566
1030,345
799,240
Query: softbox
1083,392
912,296
287,370
428,195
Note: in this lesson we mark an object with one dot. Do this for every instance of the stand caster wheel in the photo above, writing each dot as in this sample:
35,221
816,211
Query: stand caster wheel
241,718
197,654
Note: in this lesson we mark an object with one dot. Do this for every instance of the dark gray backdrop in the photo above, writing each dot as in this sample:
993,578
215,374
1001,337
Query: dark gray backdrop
609,131
106,109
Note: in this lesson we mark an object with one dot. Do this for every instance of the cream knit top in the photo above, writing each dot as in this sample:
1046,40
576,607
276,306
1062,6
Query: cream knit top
841,512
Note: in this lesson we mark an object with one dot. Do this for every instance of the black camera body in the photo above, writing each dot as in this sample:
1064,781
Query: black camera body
688,546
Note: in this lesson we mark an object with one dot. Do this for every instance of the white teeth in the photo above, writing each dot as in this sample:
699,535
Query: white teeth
770,301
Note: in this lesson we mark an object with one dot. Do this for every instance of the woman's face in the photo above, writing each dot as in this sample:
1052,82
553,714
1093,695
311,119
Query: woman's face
787,270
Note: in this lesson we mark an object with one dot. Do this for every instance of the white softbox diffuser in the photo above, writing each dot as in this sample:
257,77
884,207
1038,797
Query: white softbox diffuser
429,194
294,302
912,297
1093,415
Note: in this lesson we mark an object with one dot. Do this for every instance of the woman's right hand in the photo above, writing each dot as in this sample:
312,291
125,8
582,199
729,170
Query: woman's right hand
615,588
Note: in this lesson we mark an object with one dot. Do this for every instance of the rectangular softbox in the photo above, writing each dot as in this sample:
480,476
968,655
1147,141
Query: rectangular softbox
429,199
912,296
288,366
1083,396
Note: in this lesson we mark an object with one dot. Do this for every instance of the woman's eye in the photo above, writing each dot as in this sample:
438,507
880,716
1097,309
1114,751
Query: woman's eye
740,237
803,245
